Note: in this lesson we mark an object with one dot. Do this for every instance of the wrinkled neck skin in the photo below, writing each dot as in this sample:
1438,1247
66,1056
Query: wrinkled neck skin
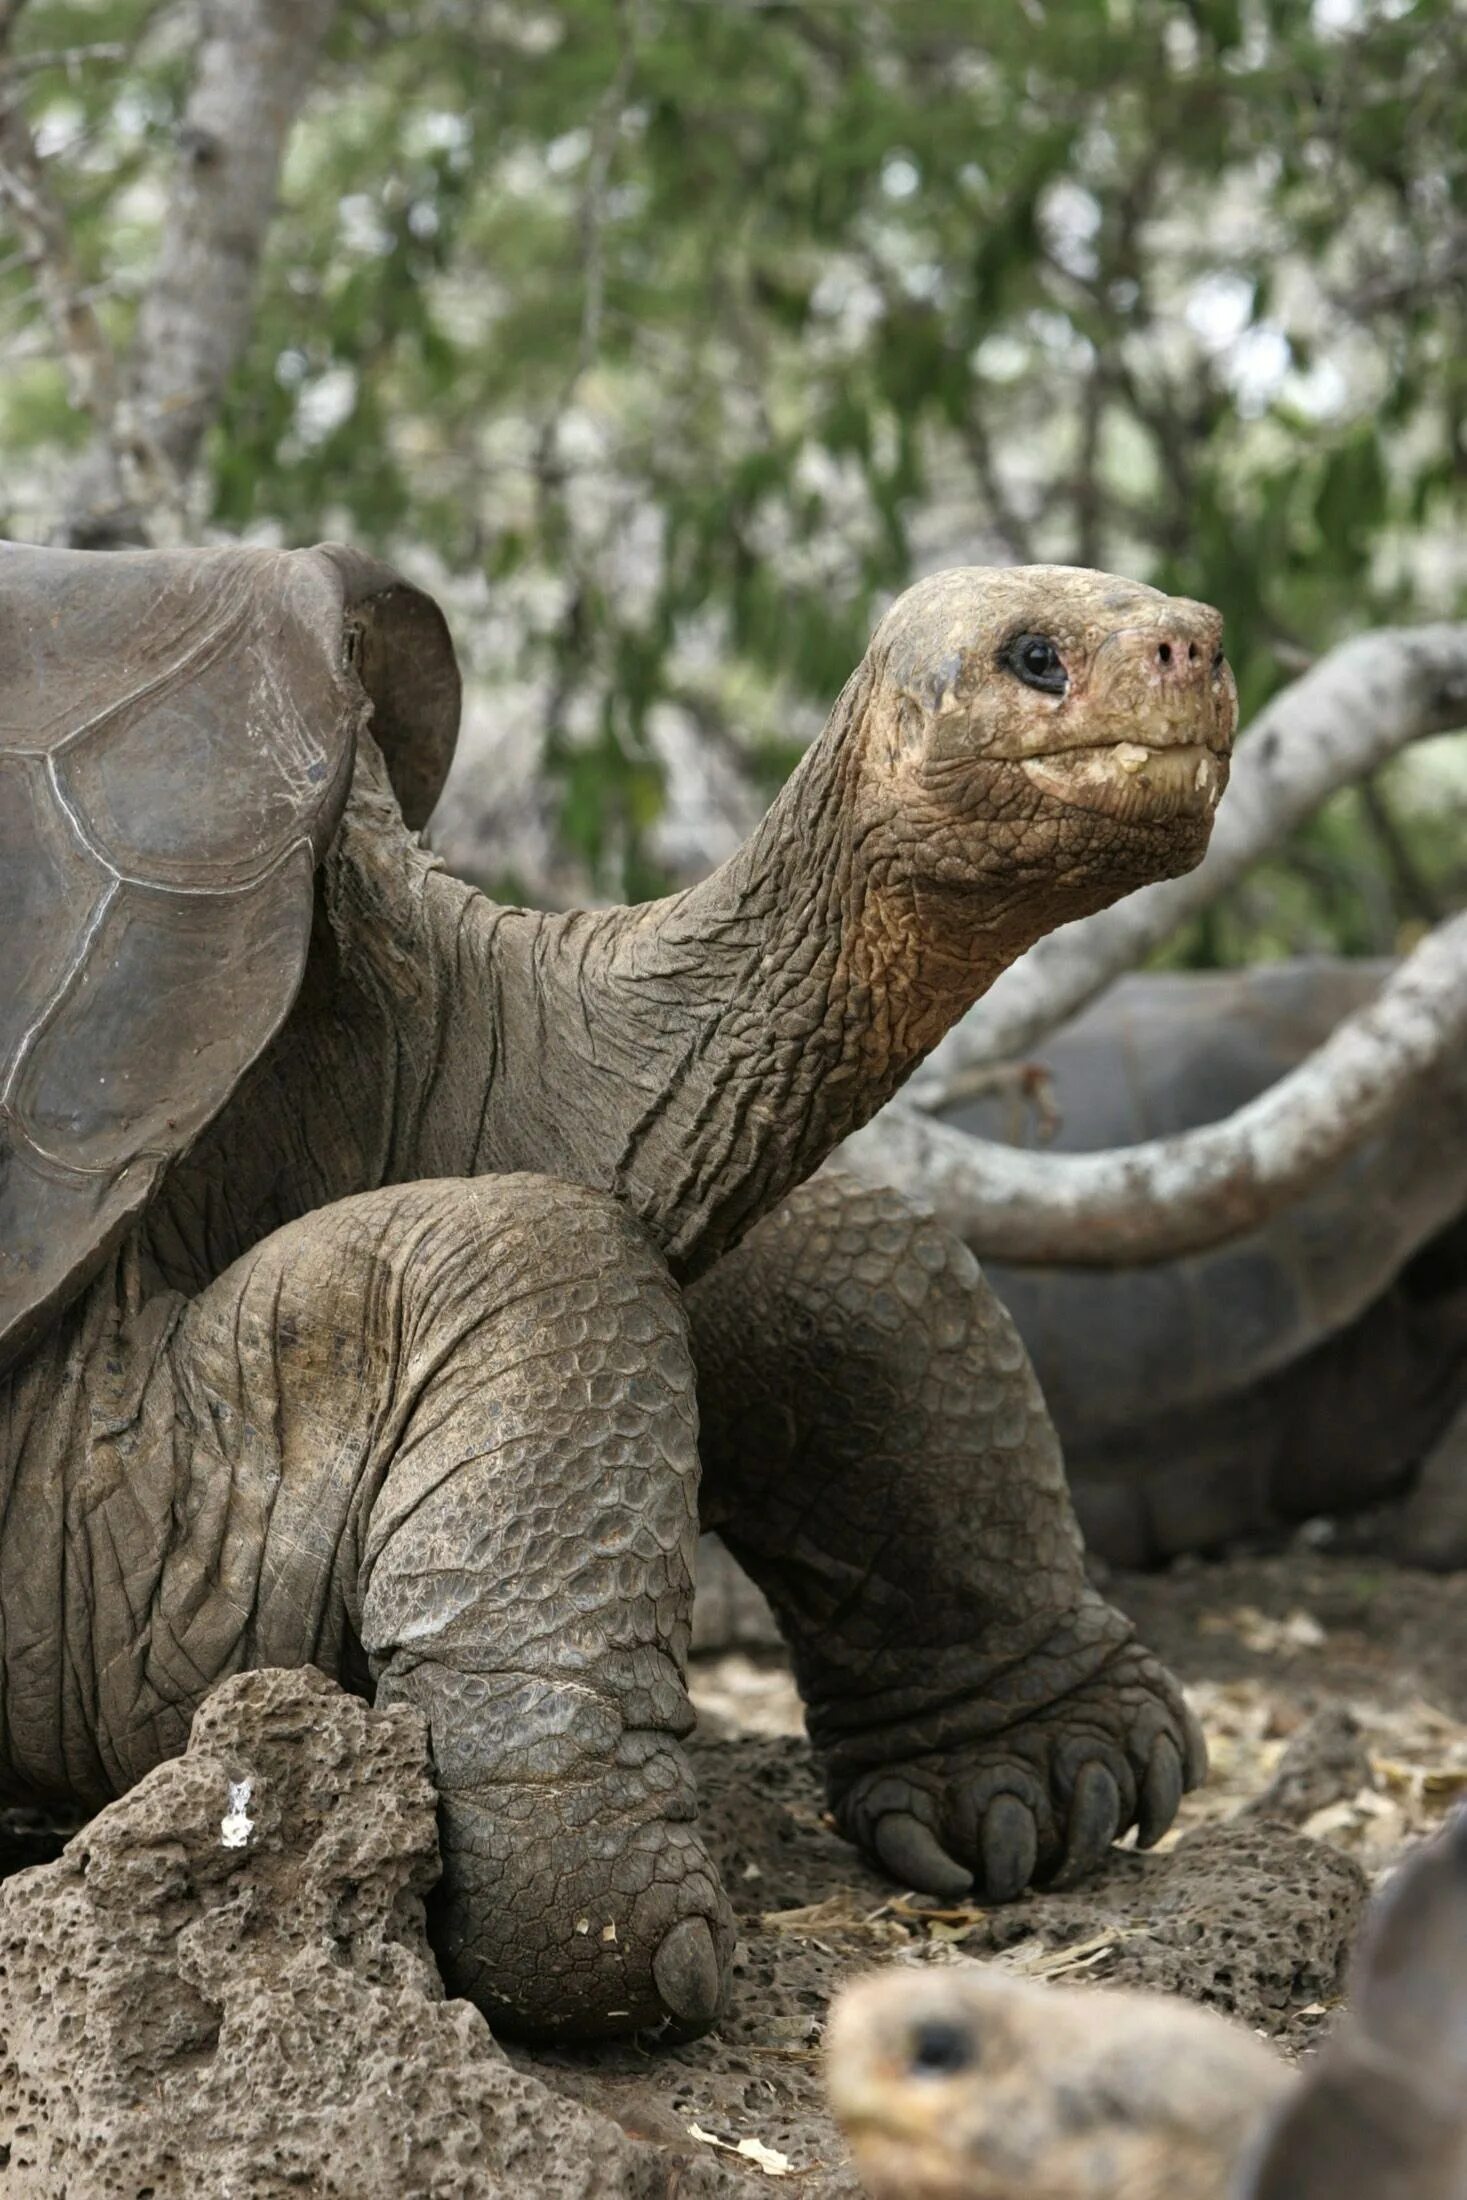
698,1056
701,1056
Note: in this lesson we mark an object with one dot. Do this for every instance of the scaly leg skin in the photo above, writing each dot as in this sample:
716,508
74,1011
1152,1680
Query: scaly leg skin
443,1436
877,1453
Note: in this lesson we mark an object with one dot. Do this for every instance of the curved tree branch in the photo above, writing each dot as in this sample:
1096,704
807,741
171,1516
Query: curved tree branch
256,61
1345,717
1173,1196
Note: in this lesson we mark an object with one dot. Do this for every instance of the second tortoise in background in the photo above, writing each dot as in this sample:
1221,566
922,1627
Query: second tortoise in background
964,2082
1318,1364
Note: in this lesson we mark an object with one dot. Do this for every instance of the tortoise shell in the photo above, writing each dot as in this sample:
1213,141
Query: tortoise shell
1160,1053
177,731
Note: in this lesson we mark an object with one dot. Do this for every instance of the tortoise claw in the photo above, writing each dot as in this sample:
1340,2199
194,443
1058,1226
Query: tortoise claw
686,1973
1095,1820
1010,1849
1037,1803
1161,1792
912,1853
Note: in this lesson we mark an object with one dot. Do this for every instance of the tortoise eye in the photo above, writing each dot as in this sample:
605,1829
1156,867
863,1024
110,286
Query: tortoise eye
1034,659
940,2049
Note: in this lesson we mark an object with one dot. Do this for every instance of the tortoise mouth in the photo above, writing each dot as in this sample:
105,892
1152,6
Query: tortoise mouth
904,2153
1133,779
1153,734
871,2119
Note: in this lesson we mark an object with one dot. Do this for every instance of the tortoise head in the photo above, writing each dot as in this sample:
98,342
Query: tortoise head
1062,729
965,2082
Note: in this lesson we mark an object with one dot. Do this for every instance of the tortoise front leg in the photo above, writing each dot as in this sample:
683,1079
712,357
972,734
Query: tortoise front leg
443,1437
877,1453
526,1579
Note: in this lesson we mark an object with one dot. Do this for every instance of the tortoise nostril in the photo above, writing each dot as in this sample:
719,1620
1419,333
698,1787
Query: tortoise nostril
1165,653
1192,653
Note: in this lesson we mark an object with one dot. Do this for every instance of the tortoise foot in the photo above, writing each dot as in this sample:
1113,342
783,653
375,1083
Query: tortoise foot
582,1904
1039,1800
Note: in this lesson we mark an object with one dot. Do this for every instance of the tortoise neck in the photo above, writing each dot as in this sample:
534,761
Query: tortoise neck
698,1057
701,1056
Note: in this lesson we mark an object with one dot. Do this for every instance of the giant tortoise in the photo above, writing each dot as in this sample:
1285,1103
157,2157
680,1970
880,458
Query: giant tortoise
370,1251
1308,1368
966,2082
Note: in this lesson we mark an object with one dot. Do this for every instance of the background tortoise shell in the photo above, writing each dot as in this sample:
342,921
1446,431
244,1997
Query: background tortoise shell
1156,1055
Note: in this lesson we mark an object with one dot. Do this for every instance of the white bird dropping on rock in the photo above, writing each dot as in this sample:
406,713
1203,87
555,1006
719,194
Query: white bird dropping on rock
236,1826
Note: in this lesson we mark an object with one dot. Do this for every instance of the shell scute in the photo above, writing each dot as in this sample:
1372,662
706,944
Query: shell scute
131,1058
244,772
53,887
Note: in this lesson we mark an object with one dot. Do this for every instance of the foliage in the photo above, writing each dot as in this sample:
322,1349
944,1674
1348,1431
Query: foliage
693,326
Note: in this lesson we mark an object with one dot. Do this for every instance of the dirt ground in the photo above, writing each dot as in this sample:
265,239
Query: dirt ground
1354,1668
1333,1688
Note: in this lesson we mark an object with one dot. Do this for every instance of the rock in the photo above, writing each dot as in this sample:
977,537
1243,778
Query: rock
1243,1915
223,1987
1250,1918
1326,1762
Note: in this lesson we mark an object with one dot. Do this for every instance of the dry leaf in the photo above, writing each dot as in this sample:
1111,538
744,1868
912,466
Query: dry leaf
1257,1631
769,2159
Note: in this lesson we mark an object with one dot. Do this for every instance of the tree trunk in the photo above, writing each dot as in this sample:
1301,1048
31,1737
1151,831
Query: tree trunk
256,62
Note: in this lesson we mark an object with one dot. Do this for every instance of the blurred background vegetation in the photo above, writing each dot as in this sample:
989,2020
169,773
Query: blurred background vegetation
667,338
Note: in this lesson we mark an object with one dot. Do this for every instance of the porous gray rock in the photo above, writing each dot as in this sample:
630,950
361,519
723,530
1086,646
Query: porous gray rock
1254,1919
223,1987
1244,1915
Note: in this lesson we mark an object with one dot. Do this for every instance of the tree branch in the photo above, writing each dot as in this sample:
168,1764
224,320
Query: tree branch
45,238
1004,515
1173,1196
1352,711
68,59
1414,887
256,61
